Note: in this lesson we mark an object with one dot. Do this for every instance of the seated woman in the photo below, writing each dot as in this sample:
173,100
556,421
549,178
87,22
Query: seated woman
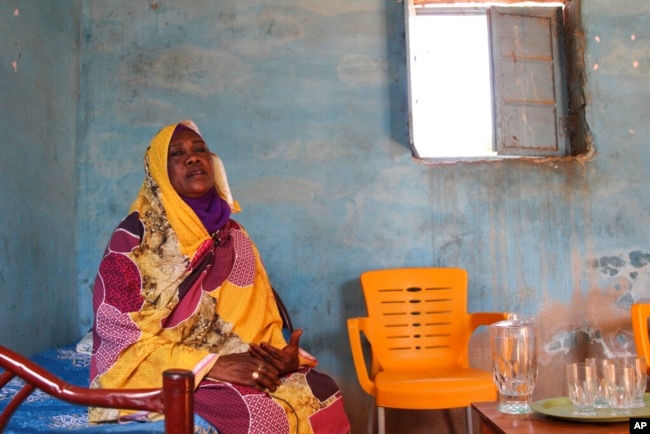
181,285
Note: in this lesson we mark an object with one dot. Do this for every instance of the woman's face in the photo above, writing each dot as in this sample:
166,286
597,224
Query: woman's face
189,164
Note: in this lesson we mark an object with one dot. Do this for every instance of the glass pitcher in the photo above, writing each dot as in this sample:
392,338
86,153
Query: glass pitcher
513,345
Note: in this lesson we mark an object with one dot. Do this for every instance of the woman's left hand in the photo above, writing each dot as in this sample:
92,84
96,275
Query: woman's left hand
284,360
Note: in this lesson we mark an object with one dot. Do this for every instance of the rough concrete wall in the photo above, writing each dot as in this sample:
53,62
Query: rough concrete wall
305,101
39,75
595,319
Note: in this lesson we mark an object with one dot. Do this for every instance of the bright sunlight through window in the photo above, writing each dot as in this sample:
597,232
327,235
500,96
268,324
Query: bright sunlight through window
450,77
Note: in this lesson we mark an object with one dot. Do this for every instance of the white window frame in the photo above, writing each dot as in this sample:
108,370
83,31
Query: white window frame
526,55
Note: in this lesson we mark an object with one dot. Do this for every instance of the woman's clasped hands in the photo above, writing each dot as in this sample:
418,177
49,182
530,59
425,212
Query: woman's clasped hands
261,367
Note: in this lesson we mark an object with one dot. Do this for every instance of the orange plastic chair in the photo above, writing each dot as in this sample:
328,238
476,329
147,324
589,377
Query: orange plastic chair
418,329
640,313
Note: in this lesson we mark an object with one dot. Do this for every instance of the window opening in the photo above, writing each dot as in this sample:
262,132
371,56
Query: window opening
486,80
451,85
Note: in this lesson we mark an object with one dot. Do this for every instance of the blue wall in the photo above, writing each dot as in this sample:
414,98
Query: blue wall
39,82
305,101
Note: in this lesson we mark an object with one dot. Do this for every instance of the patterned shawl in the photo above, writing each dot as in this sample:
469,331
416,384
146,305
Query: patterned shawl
168,296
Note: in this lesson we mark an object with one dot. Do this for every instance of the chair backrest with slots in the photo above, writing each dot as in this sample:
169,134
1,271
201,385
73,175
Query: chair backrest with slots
419,318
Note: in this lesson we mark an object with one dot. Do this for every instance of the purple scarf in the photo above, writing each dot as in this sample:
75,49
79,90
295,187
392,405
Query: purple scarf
211,209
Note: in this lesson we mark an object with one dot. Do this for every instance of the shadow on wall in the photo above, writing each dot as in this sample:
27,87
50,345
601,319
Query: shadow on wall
397,87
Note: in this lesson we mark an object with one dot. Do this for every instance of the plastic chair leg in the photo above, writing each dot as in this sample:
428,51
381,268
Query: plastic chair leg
381,421
469,419
371,417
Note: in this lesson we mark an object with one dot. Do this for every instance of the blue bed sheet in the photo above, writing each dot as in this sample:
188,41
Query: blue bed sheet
41,413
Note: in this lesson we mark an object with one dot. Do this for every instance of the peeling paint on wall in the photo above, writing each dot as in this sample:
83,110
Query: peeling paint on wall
595,323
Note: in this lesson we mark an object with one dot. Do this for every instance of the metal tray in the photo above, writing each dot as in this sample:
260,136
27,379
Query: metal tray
562,408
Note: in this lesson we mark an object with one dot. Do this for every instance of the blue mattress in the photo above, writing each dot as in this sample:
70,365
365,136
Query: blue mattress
41,413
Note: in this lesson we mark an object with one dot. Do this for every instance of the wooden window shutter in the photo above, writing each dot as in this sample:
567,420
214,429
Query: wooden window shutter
528,81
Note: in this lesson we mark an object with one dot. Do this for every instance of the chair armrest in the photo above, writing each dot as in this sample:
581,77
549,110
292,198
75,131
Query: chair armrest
640,313
175,399
355,327
478,319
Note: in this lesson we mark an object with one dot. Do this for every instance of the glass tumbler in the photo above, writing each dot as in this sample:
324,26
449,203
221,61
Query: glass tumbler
601,391
641,376
582,385
620,380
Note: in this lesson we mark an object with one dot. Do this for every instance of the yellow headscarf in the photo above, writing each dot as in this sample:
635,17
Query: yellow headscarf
188,227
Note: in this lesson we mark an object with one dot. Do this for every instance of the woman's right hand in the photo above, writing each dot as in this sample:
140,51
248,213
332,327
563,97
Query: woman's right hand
245,370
